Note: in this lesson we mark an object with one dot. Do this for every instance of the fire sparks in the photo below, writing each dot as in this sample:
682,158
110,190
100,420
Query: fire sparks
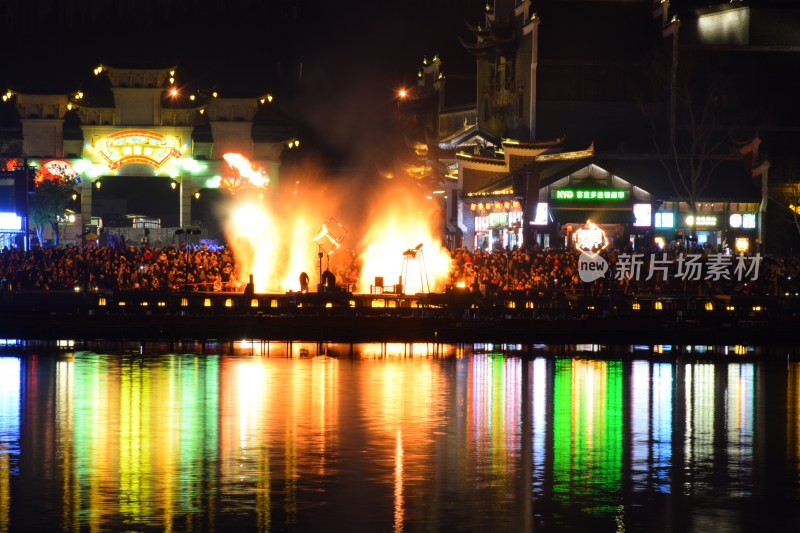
241,167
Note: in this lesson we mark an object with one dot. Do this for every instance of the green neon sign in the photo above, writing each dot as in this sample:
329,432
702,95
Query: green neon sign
590,194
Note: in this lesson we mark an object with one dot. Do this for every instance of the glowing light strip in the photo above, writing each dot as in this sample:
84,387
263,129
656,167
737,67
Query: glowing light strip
589,194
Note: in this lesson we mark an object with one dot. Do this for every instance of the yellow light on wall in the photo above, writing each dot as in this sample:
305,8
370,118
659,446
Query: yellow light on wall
742,244
709,306
229,302
269,98
197,195
184,302
98,184
214,94
191,97
101,302
254,302
658,305
207,302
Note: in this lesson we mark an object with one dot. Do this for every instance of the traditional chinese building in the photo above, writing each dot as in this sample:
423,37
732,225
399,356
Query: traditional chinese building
578,115
140,122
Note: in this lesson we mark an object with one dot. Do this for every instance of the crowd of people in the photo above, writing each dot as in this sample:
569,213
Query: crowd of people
530,270
696,271
121,268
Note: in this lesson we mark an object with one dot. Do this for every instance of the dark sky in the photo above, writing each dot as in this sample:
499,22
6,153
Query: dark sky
352,54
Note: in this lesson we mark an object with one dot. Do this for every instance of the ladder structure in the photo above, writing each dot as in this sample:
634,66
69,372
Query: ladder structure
414,255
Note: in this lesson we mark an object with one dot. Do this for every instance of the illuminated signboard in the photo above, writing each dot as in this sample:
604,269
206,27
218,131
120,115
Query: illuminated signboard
136,146
749,220
56,170
701,220
590,194
541,215
642,215
10,221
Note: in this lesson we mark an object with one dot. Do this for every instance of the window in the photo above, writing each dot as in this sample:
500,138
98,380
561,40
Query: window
665,219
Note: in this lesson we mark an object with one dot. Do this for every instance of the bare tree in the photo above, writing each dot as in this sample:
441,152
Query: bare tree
691,143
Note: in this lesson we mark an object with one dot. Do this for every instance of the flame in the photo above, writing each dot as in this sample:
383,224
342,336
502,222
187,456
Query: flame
400,221
241,166
278,238
272,238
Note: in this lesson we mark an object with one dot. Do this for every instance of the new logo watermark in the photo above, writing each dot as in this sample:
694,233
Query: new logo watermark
590,240
591,267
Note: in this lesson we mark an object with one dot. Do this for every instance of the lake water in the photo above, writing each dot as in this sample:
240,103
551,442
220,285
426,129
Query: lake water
382,437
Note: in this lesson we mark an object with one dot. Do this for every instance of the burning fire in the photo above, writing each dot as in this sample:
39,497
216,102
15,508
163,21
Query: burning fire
274,239
242,167
399,222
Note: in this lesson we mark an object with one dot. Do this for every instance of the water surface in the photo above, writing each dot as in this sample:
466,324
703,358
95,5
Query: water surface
381,437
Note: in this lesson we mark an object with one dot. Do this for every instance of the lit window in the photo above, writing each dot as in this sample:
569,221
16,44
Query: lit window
665,219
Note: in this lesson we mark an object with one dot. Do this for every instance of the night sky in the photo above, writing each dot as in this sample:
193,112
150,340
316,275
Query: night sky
349,57
334,65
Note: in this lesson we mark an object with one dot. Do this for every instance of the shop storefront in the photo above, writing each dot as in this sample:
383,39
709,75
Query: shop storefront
729,226
498,224
610,208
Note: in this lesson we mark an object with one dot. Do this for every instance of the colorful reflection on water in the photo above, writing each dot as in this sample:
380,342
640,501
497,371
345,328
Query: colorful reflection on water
396,438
